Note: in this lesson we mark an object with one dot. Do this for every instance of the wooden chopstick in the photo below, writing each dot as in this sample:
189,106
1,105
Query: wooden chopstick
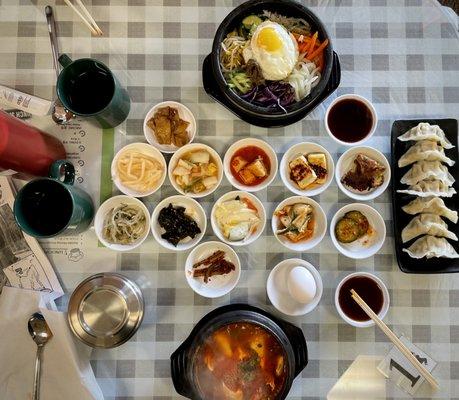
395,340
89,16
75,10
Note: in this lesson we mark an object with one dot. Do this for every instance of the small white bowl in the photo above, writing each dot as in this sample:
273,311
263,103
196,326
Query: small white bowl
346,162
365,246
302,149
370,107
218,285
320,226
184,113
198,215
382,313
105,207
261,213
244,143
194,147
147,150
279,294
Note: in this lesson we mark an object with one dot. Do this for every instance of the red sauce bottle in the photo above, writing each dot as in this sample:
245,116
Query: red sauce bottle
26,149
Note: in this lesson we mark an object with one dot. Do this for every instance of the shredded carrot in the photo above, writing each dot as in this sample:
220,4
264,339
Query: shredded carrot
320,61
313,42
317,51
303,47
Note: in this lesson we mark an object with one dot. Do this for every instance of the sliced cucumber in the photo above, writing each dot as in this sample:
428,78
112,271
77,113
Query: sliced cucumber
250,21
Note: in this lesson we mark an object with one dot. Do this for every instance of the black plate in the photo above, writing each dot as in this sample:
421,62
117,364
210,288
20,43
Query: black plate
401,219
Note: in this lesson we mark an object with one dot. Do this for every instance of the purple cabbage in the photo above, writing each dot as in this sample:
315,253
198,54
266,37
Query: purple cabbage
273,94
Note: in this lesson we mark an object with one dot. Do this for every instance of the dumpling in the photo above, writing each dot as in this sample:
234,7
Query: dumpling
434,205
430,224
425,131
432,187
424,150
431,246
427,170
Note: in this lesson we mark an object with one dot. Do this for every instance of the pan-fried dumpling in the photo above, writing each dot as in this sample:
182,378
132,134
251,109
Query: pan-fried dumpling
429,188
425,131
427,170
430,224
434,205
431,246
427,150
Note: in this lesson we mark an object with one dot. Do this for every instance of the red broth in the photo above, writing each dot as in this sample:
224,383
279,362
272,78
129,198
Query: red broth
250,153
240,361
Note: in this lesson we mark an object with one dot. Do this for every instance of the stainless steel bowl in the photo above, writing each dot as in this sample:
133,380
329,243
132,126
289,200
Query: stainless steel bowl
105,310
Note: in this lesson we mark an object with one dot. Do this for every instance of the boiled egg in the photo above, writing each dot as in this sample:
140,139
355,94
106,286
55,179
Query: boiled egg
274,49
301,285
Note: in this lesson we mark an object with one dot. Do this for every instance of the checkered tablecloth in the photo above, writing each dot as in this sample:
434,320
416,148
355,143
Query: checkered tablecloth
402,55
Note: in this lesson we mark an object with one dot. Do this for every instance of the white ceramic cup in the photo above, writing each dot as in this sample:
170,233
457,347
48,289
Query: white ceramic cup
320,224
199,216
214,156
381,314
301,149
148,150
108,205
261,214
184,113
218,285
363,247
370,107
244,143
346,162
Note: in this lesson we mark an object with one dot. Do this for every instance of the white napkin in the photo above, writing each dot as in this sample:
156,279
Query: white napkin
66,372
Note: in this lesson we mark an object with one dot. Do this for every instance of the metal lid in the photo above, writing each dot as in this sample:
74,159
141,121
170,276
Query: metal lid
105,310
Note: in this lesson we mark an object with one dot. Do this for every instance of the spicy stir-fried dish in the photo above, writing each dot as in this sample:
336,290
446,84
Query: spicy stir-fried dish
240,361
271,60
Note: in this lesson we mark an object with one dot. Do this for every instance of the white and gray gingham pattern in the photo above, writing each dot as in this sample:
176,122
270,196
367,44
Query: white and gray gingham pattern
402,55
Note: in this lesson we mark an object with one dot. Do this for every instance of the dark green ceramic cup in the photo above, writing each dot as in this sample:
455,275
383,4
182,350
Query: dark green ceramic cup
47,207
88,88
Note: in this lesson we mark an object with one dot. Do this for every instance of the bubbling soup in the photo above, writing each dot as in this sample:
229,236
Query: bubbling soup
240,361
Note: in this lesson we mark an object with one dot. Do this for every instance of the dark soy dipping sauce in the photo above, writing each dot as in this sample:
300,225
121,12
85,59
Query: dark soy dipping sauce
350,120
368,289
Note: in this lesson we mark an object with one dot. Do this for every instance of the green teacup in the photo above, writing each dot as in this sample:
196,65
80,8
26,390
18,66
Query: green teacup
47,207
88,88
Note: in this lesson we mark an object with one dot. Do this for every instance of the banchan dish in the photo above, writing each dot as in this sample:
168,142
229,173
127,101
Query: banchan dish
216,86
290,339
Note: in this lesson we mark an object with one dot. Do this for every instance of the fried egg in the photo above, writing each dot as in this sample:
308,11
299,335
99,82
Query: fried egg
275,50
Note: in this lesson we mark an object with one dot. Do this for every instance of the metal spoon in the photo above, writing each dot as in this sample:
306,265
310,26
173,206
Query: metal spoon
41,334
60,115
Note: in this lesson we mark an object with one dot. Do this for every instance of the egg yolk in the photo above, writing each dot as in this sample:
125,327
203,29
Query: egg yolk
269,40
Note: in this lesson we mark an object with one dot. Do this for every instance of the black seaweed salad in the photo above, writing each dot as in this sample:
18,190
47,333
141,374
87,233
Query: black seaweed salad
177,224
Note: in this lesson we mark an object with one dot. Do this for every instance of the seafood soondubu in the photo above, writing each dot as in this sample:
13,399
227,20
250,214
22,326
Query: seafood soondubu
272,60
240,361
